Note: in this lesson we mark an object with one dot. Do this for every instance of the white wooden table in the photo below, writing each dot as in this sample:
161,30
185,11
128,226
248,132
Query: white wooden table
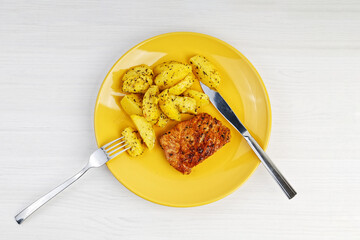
54,56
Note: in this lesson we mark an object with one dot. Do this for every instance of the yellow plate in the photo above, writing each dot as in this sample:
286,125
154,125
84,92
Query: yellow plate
150,176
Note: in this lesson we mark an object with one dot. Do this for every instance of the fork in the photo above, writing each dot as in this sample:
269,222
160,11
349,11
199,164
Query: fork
97,159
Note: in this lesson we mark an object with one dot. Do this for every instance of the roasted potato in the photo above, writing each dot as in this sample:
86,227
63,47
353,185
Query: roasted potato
205,71
132,104
170,64
163,120
145,129
167,105
182,85
186,104
200,98
170,73
137,79
134,142
150,108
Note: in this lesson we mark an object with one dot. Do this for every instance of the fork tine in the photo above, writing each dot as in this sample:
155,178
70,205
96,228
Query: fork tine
108,144
116,149
112,147
111,157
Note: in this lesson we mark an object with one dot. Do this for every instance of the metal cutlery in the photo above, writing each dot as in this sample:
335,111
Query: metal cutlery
221,105
97,159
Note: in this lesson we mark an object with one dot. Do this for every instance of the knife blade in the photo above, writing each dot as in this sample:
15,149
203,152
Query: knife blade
223,107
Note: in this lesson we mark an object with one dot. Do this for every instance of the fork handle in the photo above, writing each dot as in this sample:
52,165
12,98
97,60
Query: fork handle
25,213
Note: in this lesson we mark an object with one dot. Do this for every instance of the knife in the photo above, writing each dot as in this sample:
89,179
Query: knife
221,105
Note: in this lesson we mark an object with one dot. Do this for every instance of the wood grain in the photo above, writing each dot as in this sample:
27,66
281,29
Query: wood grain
54,55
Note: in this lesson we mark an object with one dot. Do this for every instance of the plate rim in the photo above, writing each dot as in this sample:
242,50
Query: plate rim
268,104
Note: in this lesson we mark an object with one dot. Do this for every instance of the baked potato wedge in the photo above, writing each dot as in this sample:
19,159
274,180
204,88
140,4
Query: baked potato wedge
132,104
145,129
134,142
200,98
182,85
137,79
170,73
186,104
205,71
167,105
150,108
163,120
170,64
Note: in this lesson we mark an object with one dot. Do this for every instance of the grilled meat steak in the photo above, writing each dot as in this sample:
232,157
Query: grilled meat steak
192,141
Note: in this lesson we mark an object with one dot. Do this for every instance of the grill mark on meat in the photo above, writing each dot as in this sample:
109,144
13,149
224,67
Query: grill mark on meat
192,141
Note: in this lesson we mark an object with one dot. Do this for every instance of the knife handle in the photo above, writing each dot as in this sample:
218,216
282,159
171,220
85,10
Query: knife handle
270,166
